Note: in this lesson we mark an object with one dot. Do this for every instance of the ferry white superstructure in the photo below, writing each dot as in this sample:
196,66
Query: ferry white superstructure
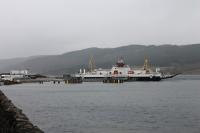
121,70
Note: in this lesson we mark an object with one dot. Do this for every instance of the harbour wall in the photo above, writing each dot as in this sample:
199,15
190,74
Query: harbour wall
13,120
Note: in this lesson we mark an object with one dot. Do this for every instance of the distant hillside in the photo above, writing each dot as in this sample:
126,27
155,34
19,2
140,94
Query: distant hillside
185,58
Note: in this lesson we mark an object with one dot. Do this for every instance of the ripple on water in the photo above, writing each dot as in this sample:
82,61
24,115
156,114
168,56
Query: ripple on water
138,107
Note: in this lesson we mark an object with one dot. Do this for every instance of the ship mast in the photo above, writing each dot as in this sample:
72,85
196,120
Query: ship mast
91,63
146,64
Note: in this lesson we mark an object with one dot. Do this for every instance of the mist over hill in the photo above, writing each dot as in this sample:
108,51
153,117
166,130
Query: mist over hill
185,58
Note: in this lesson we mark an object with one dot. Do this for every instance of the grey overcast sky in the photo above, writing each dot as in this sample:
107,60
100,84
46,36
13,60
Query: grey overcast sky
39,27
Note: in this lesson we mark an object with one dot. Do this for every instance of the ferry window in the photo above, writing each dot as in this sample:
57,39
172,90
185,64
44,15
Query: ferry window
115,72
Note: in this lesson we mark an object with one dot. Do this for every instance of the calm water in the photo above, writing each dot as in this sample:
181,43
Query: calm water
171,106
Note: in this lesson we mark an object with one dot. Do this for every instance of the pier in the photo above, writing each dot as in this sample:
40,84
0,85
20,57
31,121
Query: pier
70,79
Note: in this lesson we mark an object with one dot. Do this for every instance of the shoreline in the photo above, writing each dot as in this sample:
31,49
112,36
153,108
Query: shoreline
13,120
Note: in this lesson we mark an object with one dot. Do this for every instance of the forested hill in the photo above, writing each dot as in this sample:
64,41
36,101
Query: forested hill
185,57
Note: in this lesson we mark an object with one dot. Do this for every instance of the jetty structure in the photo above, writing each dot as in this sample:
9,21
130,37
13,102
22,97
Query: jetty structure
23,76
71,79
121,72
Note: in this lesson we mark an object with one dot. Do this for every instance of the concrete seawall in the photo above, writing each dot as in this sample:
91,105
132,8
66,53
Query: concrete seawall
12,120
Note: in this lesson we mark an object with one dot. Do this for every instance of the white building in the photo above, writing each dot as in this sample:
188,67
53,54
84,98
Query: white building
19,72
14,74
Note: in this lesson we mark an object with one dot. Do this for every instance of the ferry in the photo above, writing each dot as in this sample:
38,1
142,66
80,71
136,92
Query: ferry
122,71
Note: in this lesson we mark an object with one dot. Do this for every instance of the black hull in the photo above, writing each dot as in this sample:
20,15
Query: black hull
132,79
127,79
